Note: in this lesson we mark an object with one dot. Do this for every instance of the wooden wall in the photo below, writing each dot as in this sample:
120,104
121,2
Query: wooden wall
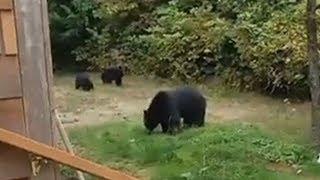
26,79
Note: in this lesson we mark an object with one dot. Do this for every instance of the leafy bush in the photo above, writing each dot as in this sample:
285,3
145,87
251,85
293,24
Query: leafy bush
250,44
69,21
275,50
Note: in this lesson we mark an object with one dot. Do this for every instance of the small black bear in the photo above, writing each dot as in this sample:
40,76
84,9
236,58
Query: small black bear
83,81
112,74
168,107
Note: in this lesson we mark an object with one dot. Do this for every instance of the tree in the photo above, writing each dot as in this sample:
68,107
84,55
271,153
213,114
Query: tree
313,57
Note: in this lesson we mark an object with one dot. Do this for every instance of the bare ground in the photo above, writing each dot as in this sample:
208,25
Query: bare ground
108,102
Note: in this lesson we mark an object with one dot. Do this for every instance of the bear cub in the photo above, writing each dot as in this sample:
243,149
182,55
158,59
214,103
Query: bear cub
168,107
83,81
112,74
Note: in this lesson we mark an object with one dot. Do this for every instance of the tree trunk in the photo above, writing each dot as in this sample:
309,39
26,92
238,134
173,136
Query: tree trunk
313,58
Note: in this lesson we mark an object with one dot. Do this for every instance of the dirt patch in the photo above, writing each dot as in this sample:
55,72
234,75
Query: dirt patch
109,102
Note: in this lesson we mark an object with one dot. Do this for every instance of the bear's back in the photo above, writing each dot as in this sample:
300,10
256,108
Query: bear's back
187,98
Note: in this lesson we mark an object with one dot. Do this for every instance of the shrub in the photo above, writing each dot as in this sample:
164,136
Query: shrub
250,44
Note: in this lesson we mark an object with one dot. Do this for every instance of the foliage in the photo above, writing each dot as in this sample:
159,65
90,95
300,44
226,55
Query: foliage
181,45
69,22
236,151
275,50
250,44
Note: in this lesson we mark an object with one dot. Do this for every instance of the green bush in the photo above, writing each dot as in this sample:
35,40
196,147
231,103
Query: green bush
250,44
274,50
69,21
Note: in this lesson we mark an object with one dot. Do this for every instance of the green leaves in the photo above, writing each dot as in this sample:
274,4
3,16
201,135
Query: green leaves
250,44
276,49
275,152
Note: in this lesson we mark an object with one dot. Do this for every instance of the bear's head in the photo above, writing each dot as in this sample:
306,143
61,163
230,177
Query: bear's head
148,122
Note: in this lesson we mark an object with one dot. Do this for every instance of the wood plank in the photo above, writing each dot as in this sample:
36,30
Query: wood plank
10,77
9,32
14,163
48,65
12,115
36,94
60,156
32,65
6,4
1,42
49,71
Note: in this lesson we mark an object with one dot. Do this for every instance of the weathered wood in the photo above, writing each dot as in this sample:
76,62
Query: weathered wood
13,163
66,140
8,32
48,58
33,67
12,118
32,55
60,156
9,77
6,4
49,74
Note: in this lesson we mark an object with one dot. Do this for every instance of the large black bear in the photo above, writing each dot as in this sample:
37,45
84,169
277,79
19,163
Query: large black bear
83,81
112,74
168,107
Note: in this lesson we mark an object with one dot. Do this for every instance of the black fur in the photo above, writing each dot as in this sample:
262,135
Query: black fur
83,81
112,74
168,107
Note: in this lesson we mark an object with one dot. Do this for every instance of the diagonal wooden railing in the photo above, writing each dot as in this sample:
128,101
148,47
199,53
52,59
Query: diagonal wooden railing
60,156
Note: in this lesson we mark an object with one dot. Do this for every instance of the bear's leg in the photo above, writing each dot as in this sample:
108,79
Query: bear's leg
174,123
197,118
119,81
188,119
200,122
187,124
108,81
192,118
85,88
164,127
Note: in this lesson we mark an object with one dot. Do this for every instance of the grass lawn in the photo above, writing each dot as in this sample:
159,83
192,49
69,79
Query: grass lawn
247,136
221,151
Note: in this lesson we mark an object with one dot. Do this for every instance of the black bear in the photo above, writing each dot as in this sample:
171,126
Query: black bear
83,81
112,74
168,107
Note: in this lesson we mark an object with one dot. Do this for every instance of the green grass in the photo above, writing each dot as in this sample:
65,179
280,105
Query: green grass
229,151
228,148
